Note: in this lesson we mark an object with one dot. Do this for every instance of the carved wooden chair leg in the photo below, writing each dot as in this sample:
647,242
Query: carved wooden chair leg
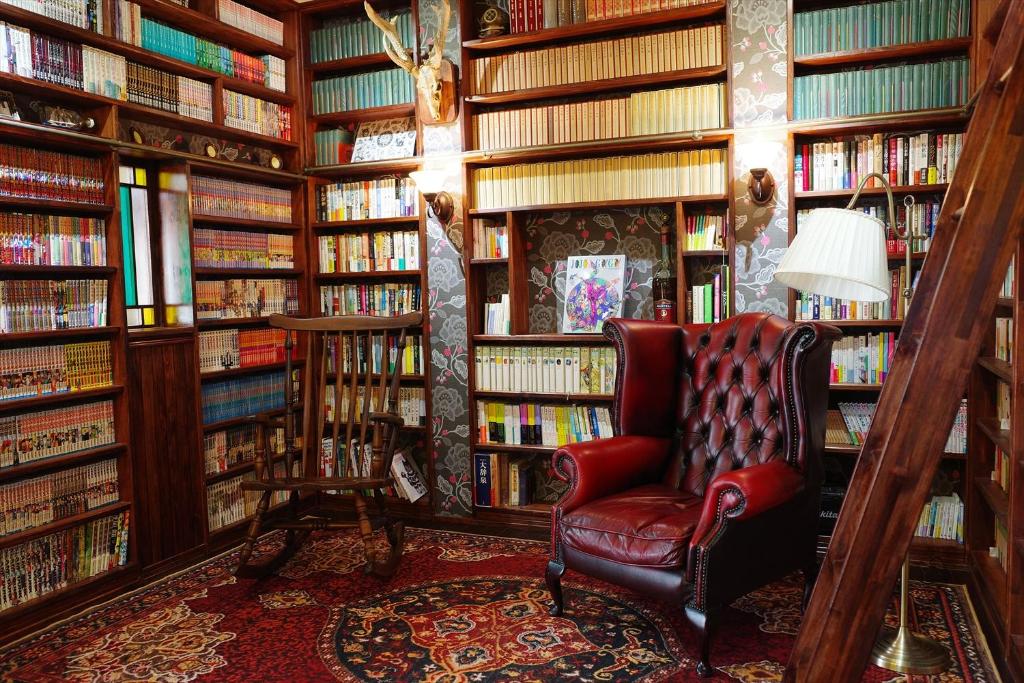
365,530
252,535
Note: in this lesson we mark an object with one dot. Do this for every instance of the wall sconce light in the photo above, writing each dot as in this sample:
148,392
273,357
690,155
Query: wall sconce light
761,186
430,183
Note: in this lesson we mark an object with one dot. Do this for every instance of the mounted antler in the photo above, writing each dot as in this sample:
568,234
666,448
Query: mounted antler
434,76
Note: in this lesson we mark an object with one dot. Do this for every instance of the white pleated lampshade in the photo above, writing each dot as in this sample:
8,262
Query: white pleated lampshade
838,253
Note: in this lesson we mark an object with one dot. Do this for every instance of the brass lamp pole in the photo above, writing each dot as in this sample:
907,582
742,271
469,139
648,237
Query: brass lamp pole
901,649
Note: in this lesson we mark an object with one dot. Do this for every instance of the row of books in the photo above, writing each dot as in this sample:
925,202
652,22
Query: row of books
533,15
43,434
921,219
412,356
388,299
1004,405
545,369
355,37
87,14
1006,291
942,517
252,114
213,248
849,425
490,238
957,440
226,448
1000,548
37,501
704,232
862,359
877,24
42,565
1002,464
384,88
42,240
234,199
40,370
249,20
647,176
333,146
389,197
709,302
599,60
411,404
37,305
131,27
921,159
41,174
699,107
497,317
1004,339
53,60
367,252
534,424
882,89
501,481
817,307
226,299
857,418
409,483
227,503
240,396
234,348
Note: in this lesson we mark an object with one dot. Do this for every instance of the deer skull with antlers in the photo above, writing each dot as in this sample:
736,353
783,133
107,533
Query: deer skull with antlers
430,76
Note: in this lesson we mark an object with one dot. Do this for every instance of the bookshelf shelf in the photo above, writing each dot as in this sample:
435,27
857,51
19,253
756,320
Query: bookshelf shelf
369,275
207,27
624,145
359,63
602,86
382,167
245,223
838,449
20,537
542,511
995,498
60,461
596,28
568,339
232,322
703,253
368,223
236,469
48,335
874,55
874,123
1000,437
838,386
993,576
872,192
1005,305
245,370
53,205
662,201
26,271
537,396
512,448
116,574
999,368
860,323
489,261
37,402
359,115
202,273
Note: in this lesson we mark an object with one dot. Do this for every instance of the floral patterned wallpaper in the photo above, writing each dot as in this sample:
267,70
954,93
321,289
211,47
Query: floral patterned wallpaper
552,237
759,96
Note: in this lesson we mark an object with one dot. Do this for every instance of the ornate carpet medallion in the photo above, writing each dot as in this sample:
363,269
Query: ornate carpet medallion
496,629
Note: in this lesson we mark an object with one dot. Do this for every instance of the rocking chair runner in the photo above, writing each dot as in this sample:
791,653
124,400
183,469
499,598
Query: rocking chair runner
375,427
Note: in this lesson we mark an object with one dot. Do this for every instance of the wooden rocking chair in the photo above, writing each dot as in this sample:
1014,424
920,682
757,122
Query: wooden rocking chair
360,464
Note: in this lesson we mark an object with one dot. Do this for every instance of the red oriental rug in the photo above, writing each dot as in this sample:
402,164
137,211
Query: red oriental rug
462,608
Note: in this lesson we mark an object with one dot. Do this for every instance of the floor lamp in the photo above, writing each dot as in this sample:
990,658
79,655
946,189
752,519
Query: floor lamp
841,253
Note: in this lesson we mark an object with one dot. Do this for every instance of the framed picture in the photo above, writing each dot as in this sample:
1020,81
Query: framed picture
387,139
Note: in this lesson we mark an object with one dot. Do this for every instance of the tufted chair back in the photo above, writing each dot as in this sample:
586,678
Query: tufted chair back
736,401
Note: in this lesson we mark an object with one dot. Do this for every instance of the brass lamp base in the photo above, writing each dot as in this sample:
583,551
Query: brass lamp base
906,652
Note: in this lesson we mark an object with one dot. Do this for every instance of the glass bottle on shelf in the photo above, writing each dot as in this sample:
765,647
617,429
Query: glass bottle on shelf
664,284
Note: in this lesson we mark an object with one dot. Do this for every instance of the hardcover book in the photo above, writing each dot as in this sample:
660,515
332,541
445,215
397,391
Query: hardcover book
593,292
387,139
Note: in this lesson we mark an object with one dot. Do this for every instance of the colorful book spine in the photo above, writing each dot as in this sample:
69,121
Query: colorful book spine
882,89
252,114
533,15
43,240
817,307
87,14
412,362
40,370
367,199
31,173
213,248
228,299
648,176
640,55
412,404
33,502
32,569
709,302
43,434
234,348
39,305
535,424
942,517
704,232
370,251
921,219
502,481
345,38
233,446
250,21
385,88
542,369
387,299
862,359
227,503
490,238
233,199
241,396
333,146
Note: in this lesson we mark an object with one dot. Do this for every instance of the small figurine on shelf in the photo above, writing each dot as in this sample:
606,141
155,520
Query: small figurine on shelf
62,117
493,19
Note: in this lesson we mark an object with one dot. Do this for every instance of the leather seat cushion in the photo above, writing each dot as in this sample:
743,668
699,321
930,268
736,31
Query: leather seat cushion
647,526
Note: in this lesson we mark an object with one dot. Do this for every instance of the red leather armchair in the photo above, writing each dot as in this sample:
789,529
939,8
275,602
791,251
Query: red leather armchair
710,488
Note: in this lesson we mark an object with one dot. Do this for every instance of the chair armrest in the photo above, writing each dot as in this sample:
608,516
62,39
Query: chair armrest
595,469
742,494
